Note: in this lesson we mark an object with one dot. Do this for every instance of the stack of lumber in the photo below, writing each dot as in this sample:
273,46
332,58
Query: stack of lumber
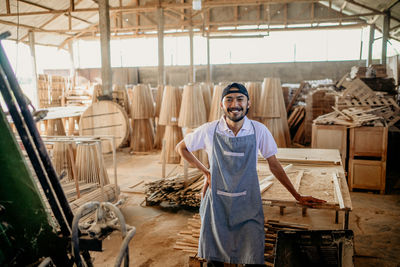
176,190
43,90
272,110
188,239
318,102
57,89
351,117
142,111
254,89
296,124
358,96
89,164
169,115
215,110
78,96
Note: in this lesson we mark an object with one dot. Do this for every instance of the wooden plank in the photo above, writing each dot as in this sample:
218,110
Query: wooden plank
298,180
296,94
338,192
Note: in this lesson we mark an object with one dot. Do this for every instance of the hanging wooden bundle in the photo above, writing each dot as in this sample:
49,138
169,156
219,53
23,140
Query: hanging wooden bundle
97,91
160,131
89,164
170,106
205,89
193,111
173,135
142,135
216,111
274,125
283,112
142,106
269,101
254,89
120,96
160,91
64,158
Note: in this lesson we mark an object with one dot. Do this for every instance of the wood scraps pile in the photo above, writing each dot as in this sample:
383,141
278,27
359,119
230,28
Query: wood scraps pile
359,105
188,239
176,191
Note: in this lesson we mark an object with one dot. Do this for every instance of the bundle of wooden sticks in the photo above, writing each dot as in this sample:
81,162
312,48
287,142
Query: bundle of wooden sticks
176,191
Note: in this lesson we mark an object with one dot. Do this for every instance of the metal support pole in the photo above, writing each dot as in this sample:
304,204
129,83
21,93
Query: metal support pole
385,35
370,43
104,23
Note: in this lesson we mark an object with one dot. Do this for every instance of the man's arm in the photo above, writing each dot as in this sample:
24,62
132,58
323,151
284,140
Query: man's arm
184,152
279,173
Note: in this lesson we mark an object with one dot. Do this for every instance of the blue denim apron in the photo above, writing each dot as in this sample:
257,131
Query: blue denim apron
232,219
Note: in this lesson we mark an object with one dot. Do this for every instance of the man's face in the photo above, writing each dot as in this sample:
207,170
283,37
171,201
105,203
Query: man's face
235,106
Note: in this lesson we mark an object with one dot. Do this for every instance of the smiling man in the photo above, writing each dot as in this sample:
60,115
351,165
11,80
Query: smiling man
232,218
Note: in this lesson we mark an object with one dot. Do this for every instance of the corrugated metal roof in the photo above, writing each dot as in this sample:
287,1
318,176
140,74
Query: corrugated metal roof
52,25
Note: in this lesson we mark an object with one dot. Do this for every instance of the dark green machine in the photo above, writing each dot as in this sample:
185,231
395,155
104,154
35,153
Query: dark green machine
26,231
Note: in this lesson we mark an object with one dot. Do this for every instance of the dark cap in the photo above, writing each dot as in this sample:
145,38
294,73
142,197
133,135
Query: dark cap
235,88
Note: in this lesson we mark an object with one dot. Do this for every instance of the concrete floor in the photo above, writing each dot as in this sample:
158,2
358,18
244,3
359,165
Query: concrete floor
375,220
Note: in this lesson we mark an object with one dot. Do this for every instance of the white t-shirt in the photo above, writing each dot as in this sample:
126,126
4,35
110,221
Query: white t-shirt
202,137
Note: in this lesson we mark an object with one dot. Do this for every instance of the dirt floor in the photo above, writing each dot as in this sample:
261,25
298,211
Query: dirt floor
375,220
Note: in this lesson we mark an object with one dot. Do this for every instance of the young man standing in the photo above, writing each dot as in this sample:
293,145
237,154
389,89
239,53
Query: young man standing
232,219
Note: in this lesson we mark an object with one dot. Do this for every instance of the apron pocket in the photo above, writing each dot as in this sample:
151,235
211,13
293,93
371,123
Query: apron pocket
223,193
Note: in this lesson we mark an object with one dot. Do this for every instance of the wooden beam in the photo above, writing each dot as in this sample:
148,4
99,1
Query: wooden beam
385,36
72,5
104,25
149,19
208,74
32,28
364,6
8,6
370,43
34,65
337,189
191,67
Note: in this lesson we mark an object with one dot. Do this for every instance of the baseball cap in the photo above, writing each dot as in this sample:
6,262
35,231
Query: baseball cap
235,88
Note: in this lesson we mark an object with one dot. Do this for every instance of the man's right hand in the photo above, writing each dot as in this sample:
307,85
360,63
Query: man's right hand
207,182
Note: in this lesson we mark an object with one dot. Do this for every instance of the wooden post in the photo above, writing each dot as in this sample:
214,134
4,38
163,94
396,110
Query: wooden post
164,158
34,67
114,164
72,61
385,35
161,75
104,23
191,69
370,43
208,75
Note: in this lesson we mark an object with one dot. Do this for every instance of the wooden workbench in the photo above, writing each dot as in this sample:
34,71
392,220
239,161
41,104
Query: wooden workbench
319,167
60,118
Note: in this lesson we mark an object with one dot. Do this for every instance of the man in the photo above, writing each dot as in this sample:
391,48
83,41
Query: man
232,219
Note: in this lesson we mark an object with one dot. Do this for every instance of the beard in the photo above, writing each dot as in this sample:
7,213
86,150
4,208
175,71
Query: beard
232,118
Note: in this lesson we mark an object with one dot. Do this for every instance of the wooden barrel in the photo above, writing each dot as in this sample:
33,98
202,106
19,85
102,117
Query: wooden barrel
105,118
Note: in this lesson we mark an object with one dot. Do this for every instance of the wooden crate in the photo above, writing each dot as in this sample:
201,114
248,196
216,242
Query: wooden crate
368,142
331,137
367,174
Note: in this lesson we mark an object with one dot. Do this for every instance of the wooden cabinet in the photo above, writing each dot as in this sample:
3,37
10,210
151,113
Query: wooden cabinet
368,142
330,137
367,174
367,158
